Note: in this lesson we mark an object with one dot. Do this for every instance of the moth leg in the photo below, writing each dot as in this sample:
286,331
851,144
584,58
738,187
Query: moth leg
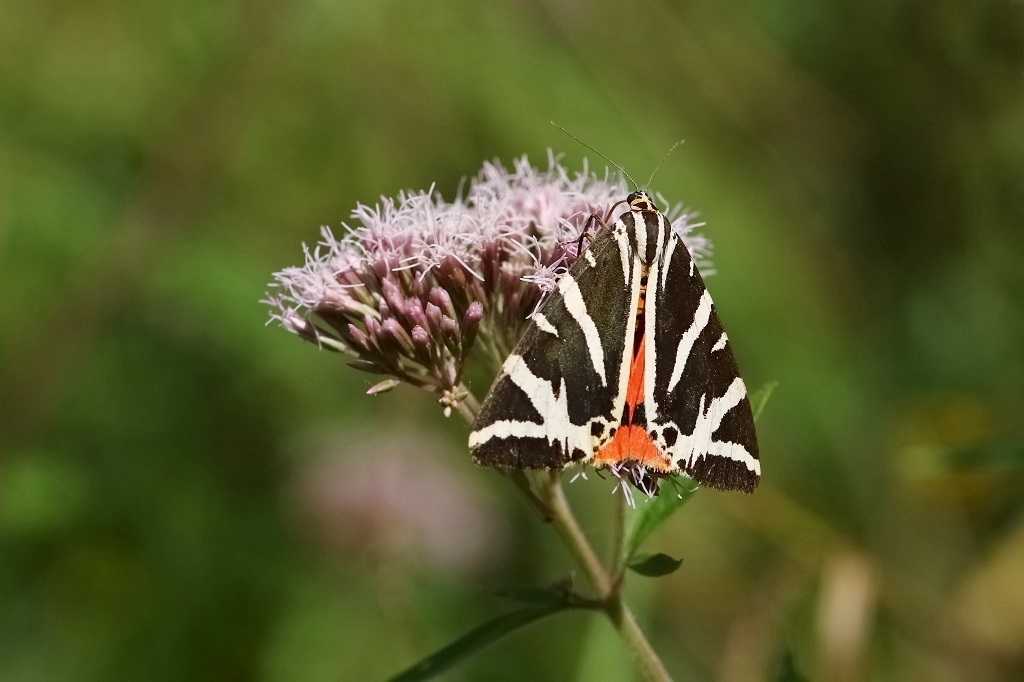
585,234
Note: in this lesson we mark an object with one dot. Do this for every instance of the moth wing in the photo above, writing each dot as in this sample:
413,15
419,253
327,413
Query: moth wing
548,406
702,416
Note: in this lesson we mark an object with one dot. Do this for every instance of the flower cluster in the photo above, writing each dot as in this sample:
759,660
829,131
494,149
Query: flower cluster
416,282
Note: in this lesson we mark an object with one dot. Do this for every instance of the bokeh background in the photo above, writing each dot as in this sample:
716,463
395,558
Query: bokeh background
186,493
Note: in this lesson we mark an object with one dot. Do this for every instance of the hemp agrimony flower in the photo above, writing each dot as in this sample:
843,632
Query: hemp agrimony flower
416,282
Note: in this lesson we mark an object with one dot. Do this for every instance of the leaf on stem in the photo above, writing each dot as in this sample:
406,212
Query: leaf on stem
653,565
651,515
759,398
477,639
559,593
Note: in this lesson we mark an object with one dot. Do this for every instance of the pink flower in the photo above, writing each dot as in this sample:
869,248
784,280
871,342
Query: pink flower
417,282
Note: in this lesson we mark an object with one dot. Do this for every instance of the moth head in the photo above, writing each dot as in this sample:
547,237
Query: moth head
640,201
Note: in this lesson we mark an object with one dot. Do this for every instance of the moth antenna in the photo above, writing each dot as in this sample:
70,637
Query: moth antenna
667,154
621,169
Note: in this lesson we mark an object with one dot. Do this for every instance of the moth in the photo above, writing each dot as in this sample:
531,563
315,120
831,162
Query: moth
625,367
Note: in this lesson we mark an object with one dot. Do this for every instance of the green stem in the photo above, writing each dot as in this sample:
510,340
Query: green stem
647,660
551,503
469,406
572,535
522,482
471,403
617,560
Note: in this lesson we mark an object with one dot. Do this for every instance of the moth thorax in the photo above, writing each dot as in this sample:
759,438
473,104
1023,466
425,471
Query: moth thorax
640,201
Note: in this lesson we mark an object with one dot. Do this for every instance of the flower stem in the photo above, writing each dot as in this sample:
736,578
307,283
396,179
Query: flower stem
646,658
572,535
551,503
647,661
468,406
618,554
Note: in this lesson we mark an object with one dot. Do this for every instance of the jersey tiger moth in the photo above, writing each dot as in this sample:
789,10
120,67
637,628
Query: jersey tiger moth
626,367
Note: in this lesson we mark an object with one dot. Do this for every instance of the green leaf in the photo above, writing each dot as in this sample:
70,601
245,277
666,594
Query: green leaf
760,397
558,593
652,514
654,565
475,640
787,670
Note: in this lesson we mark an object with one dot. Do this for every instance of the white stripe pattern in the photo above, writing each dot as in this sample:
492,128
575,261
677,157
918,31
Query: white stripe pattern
626,360
658,272
554,411
622,239
700,443
640,232
700,320
544,324
667,258
577,307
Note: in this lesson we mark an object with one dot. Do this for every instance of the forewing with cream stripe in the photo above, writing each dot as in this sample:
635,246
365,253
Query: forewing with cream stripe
626,366
701,415
564,375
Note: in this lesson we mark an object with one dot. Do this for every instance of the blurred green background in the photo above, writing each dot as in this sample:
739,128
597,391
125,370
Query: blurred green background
188,494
